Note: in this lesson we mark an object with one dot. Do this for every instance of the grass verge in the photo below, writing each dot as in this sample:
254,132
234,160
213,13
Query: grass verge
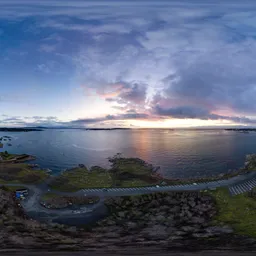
238,211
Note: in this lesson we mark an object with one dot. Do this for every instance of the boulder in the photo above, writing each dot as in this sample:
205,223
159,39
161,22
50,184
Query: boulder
219,230
202,235
156,232
131,225
189,229
197,220
160,218
175,209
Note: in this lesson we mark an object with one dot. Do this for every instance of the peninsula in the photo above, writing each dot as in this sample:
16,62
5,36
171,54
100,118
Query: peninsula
6,129
202,219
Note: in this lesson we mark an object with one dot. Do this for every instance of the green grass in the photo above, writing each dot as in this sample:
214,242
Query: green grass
49,195
79,178
7,156
21,173
131,165
14,188
47,198
134,183
237,211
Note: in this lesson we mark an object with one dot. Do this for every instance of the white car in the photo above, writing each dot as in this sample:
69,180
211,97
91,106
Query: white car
157,186
194,183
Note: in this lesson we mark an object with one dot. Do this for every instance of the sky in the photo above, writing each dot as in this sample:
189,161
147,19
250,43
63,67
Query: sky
159,64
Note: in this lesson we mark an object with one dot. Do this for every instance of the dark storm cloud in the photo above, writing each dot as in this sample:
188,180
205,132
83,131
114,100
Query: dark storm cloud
128,116
129,94
190,112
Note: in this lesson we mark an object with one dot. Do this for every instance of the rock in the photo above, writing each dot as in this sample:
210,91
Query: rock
202,235
175,238
164,208
175,209
171,230
205,199
189,229
110,222
160,218
81,166
219,230
179,233
111,235
121,214
72,229
192,203
197,220
156,232
131,225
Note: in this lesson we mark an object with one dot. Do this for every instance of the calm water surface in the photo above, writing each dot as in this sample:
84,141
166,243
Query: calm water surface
180,153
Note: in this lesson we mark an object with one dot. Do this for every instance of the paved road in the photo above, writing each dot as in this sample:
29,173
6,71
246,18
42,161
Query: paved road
232,182
238,184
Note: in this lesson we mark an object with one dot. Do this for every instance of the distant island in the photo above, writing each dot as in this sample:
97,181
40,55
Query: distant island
242,129
6,129
105,129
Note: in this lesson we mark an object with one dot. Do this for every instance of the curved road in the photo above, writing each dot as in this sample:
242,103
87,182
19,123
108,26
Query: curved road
32,202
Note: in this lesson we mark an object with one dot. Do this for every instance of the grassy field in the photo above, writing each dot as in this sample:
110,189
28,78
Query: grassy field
21,173
7,156
52,198
124,172
13,188
79,178
237,211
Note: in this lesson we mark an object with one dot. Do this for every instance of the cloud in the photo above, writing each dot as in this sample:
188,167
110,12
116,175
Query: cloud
196,63
126,116
47,48
190,112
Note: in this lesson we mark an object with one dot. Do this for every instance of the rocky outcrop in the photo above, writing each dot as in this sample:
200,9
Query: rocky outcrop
250,162
163,215
159,220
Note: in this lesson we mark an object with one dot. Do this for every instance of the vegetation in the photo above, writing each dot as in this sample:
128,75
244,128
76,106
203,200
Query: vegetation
128,172
250,162
12,188
131,172
6,129
237,211
50,195
7,156
20,173
79,178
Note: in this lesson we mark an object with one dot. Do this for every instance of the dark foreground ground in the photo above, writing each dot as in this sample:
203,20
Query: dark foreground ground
131,251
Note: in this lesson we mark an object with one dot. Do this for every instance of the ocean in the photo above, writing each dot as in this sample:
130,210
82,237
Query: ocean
179,153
